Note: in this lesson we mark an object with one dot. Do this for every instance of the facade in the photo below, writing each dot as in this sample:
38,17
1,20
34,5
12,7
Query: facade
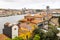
10,30
25,29
39,19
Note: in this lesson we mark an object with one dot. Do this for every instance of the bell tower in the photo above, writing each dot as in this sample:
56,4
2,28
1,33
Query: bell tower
47,9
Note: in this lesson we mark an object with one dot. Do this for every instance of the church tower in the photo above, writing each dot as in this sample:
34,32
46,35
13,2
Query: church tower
47,9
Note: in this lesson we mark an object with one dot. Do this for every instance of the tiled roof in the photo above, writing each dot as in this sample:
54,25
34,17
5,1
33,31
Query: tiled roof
43,13
24,20
49,16
32,19
28,14
7,23
25,26
38,15
36,21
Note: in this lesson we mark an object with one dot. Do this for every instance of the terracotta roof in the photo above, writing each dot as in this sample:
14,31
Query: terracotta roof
49,16
28,14
7,23
36,21
43,13
25,26
24,20
3,37
38,15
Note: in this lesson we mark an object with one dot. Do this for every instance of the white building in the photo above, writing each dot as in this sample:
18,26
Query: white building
10,30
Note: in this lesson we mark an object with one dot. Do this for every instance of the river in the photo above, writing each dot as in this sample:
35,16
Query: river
11,19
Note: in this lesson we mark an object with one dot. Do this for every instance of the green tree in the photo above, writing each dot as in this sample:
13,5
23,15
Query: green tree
59,20
18,38
36,37
52,33
40,32
31,38
36,31
8,39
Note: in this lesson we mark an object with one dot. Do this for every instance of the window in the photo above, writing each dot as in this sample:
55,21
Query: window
43,18
14,28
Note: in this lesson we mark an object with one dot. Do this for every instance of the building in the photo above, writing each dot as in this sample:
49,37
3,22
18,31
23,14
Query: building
10,30
39,19
26,29
26,26
20,30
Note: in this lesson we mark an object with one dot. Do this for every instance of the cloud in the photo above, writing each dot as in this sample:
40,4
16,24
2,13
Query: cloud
37,4
8,0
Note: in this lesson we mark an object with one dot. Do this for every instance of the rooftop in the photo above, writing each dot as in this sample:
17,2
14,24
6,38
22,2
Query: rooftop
36,21
3,37
38,16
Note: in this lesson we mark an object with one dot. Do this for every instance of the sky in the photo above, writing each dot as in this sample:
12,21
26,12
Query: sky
31,4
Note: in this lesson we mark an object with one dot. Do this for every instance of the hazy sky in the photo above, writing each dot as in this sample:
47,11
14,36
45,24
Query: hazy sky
35,4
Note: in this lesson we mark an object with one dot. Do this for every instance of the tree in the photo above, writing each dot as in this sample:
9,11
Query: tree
40,32
59,20
42,35
18,38
52,33
36,37
31,38
36,31
8,39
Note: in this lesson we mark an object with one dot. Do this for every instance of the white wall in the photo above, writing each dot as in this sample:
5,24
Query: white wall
14,32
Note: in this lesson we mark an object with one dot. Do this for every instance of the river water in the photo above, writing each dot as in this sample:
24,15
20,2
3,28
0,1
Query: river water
11,19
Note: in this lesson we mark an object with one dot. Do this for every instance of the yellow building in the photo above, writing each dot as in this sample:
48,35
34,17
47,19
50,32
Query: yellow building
26,29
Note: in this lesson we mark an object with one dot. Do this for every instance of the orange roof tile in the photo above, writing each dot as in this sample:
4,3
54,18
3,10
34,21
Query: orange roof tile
23,25
49,15
36,21
24,20
38,15
28,14
43,13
